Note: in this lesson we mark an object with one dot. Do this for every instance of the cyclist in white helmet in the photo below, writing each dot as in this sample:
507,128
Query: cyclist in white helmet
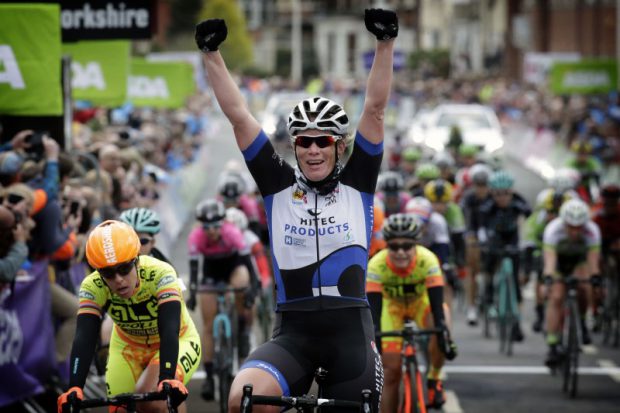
571,244
320,223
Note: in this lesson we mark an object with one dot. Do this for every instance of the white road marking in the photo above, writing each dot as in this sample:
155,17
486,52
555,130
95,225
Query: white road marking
589,349
611,366
588,371
452,404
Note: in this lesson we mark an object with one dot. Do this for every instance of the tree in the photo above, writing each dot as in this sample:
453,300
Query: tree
181,12
237,49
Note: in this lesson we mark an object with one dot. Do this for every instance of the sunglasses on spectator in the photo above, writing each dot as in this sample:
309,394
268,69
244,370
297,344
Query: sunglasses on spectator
322,141
145,240
405,246
11,199
122,269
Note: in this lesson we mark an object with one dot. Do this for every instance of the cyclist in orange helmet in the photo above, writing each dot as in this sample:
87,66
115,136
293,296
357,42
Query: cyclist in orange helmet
152,328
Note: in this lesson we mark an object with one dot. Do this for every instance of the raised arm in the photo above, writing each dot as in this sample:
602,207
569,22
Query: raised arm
384,25
209,35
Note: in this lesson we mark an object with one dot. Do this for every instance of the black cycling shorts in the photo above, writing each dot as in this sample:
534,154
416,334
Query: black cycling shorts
341,341
216,270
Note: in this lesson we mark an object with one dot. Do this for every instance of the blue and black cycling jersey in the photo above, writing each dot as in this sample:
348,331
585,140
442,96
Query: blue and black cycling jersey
319,243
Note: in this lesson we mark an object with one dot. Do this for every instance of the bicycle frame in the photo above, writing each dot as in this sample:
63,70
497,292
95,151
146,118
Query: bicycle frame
571,335
413,397
224,334
413,400
507,305
504,310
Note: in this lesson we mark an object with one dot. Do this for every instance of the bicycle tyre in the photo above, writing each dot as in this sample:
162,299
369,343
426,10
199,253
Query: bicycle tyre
223,362
571,362
512,314
413,394
502,305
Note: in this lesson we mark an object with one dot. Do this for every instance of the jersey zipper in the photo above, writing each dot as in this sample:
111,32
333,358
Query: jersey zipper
318,258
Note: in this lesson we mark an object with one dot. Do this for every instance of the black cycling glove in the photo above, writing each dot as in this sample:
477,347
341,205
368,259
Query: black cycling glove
210,34
382,23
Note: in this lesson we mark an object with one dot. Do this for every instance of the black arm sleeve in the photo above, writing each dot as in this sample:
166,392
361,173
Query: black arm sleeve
86,334
435,295
376,303
458,241
168,324
193,275
247,261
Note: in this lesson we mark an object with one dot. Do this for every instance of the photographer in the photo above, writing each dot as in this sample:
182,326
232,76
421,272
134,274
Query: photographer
13,249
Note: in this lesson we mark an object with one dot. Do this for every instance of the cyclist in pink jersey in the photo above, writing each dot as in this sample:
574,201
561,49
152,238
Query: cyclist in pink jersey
226,258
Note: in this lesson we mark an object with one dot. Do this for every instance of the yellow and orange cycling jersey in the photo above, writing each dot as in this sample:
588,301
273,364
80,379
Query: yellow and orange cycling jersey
404,284
135,318
403,290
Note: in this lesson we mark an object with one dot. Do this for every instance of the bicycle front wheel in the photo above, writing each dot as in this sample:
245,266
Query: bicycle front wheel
413,392
223,362
571,362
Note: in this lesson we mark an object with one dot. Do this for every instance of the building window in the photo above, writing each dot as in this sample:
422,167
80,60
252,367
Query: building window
351,52
331,52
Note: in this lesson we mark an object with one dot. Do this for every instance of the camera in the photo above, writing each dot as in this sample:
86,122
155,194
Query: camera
35,140
18,217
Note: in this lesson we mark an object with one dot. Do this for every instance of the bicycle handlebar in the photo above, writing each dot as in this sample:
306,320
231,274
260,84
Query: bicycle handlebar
215,289
303,402
122,399
410,332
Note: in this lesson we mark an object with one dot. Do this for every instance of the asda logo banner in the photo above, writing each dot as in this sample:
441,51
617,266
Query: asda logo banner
99,71
160,84
587,76
30,60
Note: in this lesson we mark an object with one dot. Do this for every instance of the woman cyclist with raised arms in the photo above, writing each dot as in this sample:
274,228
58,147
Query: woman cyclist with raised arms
320,221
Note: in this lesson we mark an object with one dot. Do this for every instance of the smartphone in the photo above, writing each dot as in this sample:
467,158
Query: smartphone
74,208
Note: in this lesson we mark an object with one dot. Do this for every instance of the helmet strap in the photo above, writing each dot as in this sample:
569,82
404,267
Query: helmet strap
325,185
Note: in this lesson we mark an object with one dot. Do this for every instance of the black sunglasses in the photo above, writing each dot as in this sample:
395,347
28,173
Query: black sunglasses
209,225
122,269
145,240
322,141
405,246
12,199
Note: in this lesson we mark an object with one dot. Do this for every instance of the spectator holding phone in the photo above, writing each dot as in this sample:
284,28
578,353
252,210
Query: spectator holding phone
13,249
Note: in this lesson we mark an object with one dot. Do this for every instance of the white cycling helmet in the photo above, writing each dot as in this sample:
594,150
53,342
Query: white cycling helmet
443,160
237,217
480,173
574,212
565,179
318,113
420,207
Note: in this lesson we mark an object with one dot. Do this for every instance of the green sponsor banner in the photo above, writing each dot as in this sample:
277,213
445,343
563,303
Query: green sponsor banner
30,60
99,71
586,76
160,84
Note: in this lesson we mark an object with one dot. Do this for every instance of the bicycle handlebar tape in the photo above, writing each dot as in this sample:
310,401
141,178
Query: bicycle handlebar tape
246,399
72,398
366,401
